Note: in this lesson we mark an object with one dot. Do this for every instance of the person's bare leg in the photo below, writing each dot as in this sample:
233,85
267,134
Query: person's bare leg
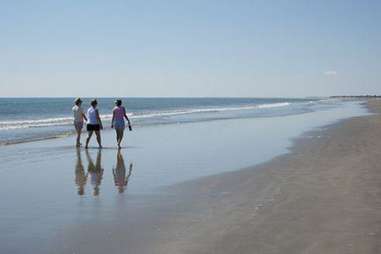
120,138
121,132
78,137
99,140
88,139
117,135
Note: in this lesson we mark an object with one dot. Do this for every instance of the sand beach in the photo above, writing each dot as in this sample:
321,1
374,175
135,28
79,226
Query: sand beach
320,195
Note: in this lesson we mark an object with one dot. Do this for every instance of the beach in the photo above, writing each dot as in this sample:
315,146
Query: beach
190,127
190,191
324,197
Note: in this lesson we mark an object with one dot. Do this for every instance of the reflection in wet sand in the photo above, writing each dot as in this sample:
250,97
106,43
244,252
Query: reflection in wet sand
119,172
80,175
95,171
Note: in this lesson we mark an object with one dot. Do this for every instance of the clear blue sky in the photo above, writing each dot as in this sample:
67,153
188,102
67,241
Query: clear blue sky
190,48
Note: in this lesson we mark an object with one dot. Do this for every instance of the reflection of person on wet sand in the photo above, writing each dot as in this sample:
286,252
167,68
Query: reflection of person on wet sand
80,175
95,171
119,173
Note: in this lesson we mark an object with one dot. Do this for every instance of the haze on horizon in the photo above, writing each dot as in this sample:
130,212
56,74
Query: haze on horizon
190,48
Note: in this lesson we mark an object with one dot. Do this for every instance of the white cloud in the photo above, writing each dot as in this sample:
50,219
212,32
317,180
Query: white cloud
330,73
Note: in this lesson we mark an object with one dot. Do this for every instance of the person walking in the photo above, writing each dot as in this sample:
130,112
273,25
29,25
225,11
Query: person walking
79,117
94,123
117,122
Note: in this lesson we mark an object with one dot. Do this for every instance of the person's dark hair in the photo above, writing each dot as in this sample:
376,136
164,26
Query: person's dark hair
77,101
118,102
93,103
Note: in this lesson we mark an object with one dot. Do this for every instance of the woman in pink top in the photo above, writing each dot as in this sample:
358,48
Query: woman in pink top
117,122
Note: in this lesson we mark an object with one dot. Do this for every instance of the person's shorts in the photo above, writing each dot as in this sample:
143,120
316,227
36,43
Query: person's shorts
78,125
119,124
93,127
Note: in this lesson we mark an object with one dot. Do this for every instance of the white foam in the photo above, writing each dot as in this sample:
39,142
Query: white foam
275,105
62,121
209,110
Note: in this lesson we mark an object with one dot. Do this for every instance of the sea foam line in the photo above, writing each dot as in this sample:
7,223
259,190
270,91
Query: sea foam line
61,121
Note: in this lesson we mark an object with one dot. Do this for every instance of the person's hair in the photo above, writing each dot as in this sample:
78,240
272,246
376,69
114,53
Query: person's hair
118,102
94,103
77,101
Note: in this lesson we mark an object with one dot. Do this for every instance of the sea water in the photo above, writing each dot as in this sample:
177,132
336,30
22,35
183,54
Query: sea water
29,119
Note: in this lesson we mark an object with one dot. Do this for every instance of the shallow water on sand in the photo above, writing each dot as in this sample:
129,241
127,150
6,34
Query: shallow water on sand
49,187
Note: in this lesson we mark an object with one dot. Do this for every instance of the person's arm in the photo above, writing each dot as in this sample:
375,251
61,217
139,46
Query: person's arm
114,173
84,115
112,120
99,119
125,115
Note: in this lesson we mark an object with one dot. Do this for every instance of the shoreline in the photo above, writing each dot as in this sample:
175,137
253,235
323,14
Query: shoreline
322,197
239,211
297,144
20,130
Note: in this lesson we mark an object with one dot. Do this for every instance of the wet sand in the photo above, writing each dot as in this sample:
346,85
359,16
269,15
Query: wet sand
323,197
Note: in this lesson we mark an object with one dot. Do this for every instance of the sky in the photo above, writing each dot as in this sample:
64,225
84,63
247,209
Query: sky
190,48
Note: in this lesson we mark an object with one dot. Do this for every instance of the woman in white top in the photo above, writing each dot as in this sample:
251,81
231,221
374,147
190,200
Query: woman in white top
79,116
94,123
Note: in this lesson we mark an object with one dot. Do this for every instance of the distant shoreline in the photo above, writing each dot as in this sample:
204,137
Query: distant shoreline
355,96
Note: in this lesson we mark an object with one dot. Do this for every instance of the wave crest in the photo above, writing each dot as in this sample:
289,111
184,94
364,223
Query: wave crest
62,121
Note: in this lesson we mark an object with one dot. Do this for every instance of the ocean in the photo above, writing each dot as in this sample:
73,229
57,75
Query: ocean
29,119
